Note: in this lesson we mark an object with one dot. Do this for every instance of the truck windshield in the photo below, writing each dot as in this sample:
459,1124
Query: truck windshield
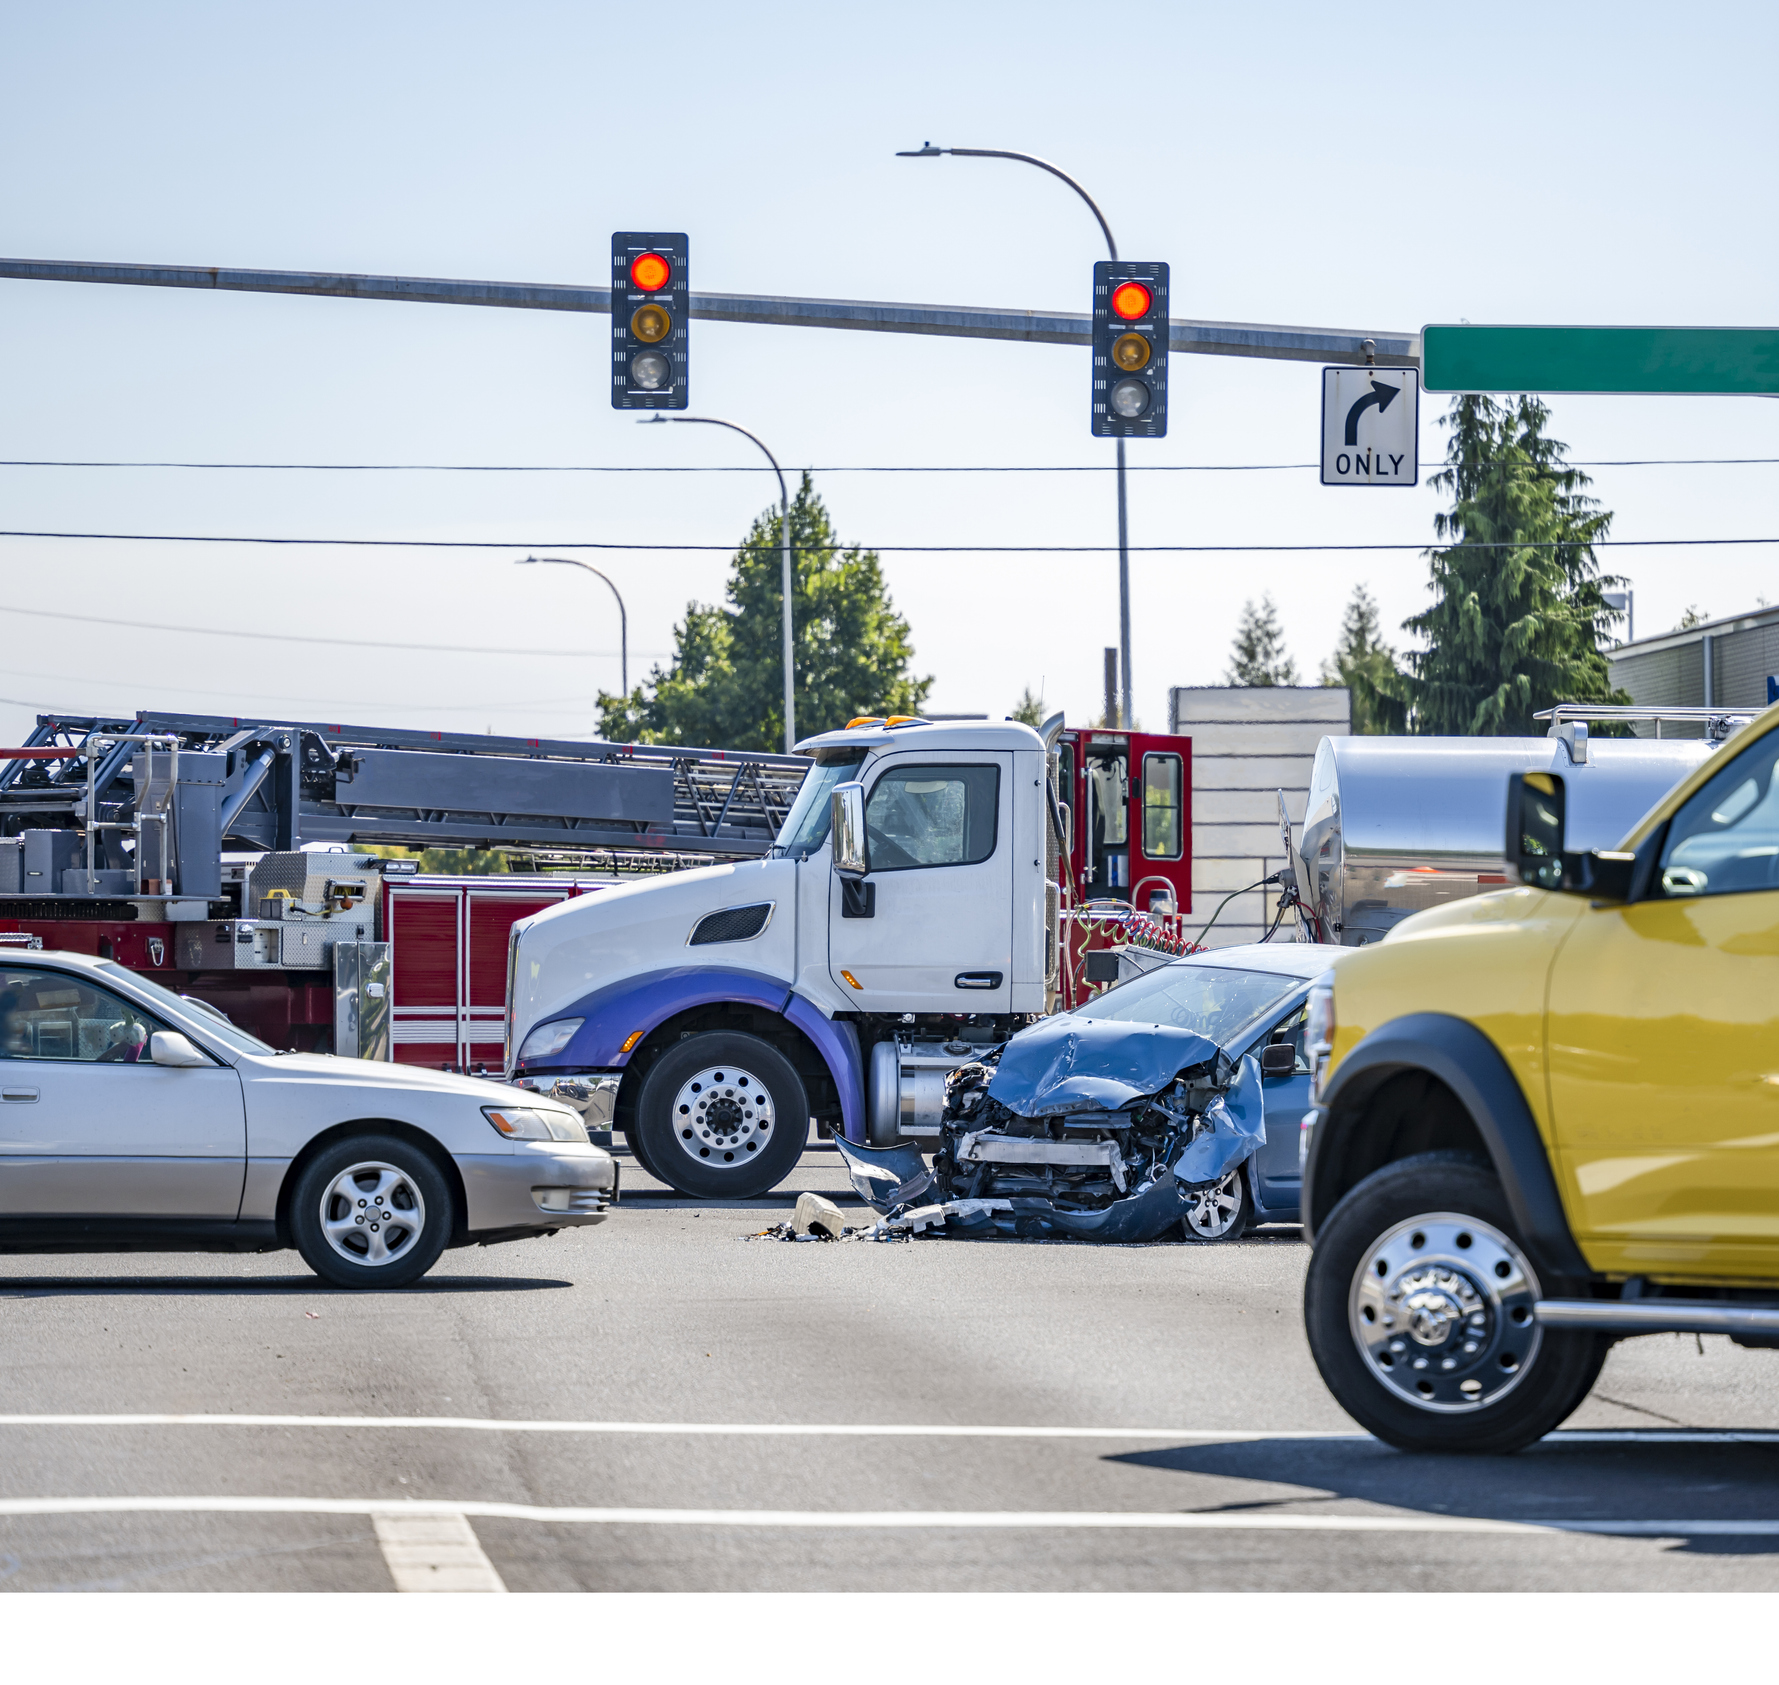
806,825
1209,999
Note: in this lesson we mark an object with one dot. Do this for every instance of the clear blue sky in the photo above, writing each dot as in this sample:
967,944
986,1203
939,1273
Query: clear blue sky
1382,166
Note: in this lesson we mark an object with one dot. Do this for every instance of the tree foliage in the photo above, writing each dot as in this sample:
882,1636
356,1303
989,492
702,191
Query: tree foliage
1259,656
1029,709
1519,615
725,687
1366,665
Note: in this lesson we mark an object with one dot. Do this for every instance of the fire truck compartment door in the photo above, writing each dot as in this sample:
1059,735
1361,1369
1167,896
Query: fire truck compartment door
939,935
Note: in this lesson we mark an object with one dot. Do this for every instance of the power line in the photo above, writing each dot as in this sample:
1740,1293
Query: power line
880,549
838,468
302,638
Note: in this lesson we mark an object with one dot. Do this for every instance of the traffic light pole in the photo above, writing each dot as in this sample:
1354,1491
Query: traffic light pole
931,151
784,533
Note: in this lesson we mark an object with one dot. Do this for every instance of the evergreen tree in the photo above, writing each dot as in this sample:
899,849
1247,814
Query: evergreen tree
1029,709
1259,656
1366,665
725,687
1519,616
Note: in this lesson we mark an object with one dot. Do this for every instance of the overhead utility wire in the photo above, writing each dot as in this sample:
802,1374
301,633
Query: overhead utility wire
838,468
880,549
301,638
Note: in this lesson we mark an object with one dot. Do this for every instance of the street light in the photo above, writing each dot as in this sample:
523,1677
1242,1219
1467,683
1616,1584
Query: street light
623,618
784,530
931,151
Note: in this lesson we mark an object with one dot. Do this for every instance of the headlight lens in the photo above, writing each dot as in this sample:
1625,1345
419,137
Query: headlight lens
550,1038
536,1123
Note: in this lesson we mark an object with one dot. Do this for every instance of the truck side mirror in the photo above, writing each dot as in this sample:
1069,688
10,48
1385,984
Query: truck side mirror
846,806
1537,813
1537,826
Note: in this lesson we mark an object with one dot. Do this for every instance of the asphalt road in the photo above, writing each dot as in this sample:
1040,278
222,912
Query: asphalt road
1163,1428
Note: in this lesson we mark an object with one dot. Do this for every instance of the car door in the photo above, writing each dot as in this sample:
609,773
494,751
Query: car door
932,927
1663,1044
90,1127
1287,1098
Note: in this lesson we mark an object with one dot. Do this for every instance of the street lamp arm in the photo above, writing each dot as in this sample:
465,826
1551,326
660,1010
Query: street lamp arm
787,582
623,615
931,151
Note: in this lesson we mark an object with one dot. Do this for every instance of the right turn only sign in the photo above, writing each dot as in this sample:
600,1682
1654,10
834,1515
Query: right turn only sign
1371,422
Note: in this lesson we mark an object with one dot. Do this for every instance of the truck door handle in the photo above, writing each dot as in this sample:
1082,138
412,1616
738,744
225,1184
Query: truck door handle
26,1094
978,980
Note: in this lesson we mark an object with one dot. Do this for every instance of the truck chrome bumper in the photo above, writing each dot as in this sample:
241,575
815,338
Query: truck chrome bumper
594,1094
1658,1316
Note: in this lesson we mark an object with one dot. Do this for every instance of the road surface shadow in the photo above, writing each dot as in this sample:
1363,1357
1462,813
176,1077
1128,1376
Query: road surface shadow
1552,1482
303,1286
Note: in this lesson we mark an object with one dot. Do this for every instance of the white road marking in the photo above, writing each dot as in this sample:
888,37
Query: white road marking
1214,1521
433,1550
855,1430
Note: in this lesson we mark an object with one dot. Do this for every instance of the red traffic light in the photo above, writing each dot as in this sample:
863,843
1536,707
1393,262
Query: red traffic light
650,272
1131,300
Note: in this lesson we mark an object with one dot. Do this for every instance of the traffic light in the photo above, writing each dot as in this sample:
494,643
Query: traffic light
650,306
1130,350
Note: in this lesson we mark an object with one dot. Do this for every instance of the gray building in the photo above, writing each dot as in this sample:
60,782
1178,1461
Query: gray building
1248,743
1720,664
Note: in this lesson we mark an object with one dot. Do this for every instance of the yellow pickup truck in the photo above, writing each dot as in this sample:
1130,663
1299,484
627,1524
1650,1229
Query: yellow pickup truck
1548,1118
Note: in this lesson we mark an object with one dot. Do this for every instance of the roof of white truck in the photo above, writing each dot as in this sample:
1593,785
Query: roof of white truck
905,733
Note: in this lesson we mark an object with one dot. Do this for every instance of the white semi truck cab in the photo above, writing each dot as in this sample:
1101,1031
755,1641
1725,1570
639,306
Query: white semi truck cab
905,920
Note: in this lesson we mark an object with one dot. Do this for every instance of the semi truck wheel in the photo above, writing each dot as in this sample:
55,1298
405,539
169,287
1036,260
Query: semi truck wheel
1418,1307
722,1115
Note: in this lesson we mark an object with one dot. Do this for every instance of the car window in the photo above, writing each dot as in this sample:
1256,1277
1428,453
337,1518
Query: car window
1725,840
1214,1001
931,816
1289,1030
57,1015
215,1026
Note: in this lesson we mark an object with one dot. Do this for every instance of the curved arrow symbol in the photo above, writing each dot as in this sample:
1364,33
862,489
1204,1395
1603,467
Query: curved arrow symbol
1379,395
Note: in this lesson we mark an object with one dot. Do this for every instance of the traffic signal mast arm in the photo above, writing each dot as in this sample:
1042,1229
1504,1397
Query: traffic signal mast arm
956,321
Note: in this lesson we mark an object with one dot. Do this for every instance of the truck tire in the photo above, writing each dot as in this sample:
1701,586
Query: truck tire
371,1211
633,1140
1418,1307
721,1115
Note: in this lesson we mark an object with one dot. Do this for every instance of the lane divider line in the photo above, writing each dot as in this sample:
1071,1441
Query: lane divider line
852,1430
433,1550
1244,1521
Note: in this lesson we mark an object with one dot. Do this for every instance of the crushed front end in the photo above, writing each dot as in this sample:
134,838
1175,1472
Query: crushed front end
1078,1127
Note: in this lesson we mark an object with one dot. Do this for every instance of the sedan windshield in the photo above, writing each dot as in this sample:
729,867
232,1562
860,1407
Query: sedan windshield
1209,999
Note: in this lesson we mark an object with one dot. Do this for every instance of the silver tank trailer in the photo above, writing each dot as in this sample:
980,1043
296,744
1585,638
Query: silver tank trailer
1395,825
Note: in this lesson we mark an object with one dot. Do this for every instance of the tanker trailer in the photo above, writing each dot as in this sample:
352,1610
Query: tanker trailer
1394,825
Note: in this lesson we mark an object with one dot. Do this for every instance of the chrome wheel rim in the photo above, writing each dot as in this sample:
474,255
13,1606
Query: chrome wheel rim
1212,1212
1441,1309
372,1214
723,1115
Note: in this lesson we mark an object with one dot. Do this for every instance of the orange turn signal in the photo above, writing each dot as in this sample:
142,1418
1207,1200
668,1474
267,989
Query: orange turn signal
852,980
631,1040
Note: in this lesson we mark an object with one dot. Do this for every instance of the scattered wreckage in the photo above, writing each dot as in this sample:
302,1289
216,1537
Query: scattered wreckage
1090,1128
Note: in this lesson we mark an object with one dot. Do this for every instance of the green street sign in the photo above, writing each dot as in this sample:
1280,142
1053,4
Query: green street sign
1461,357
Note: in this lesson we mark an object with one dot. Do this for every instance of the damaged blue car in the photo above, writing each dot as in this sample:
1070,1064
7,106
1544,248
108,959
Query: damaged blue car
1142,1113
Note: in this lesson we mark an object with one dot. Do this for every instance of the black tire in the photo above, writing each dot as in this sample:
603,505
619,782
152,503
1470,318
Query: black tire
737,1148
633,1140
1418,1310
1209,1221
415,1191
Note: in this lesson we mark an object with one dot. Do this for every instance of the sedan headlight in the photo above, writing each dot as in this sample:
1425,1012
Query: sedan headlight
550,1038
536,1123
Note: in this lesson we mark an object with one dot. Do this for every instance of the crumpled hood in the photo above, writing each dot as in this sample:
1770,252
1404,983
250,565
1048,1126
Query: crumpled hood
1067,1064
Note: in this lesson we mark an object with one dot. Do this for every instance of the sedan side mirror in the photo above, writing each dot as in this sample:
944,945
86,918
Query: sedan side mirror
1278,1059
846,806
1537,827
169,1047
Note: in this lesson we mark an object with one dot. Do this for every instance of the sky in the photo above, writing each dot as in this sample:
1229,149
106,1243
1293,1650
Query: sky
1372,168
